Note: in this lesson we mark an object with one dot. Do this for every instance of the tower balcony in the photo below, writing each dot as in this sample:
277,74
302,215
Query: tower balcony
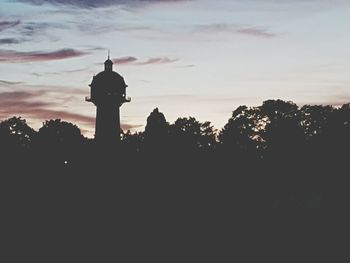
127,99
108,98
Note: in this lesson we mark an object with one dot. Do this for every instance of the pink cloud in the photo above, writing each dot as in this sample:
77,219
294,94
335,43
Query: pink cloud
11,56
124,60
135,61
31,105
159,60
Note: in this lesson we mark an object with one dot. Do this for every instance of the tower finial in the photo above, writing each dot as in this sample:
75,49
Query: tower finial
109,51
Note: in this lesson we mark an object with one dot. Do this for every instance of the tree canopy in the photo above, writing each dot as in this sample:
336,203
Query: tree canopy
275,129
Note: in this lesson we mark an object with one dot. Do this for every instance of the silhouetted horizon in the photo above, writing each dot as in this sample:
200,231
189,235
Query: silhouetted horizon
126,130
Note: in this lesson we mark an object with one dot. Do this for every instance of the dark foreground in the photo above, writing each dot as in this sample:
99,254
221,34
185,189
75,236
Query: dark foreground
150,209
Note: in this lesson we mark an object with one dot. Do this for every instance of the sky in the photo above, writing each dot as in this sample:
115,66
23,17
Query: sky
199,58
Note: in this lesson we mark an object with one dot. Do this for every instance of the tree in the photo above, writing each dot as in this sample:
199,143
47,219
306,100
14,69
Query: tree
15,134
207,140
156,132
337,130
59,140
60,132
239,137
188,134
132,142
315,120
283,133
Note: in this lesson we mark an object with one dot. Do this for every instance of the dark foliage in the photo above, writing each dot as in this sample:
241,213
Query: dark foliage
273,178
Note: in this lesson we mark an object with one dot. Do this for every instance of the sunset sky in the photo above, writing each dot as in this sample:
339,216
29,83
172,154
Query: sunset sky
199,58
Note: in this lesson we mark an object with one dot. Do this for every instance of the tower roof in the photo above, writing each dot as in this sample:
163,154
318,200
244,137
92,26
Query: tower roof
108,61
108,79
108,64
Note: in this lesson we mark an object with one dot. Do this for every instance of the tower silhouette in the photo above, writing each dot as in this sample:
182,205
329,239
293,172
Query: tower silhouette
108,93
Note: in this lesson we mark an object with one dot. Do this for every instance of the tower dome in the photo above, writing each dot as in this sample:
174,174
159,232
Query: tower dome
108,83
108,86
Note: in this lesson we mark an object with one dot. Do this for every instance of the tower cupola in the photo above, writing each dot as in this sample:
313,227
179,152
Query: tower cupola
108,65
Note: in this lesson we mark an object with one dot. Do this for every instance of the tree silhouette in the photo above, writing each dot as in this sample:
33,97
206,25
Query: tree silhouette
132,142
344,112
59,141
187,135
239,137
16,133
207,140
156,132
335,138
314,120
16,139
283,132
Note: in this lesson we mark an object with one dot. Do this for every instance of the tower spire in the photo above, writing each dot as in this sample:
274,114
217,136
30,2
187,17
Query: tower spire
109,52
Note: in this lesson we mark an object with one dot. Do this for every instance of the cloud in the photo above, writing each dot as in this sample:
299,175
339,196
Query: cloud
126,126
9,41
110,27
8,24
19,102
8,83
124,60
98,3
36,106
135,61
57,91
95,48
128,29
26,103
20,31
11,56
26,31
160,60
75,70
232,29
257,32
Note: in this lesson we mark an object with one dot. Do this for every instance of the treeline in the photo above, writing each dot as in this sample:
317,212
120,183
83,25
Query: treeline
276,130
276,171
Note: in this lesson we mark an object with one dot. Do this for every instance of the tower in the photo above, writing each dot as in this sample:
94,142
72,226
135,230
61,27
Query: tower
108,93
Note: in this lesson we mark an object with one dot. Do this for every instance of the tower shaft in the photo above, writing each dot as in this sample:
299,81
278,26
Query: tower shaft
107,128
